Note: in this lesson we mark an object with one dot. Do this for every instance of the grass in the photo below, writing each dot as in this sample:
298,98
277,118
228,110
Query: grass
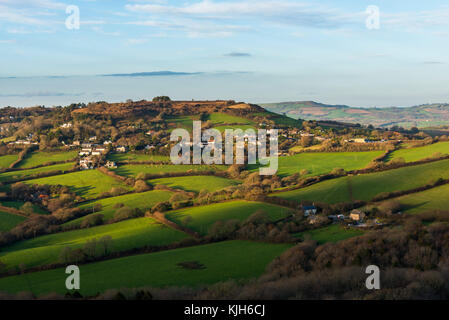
223,261
134,170
142,201
24,174
203,217
125,235
223,118
366,186
319,163
121,157
419,153
19,204
9,221
429,200
88,183
7,160
39,158
195,183
332,233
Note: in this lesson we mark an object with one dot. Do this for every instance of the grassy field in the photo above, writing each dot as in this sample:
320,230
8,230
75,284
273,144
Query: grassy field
120,157
415,154
366,186
142,201
24,174
195,183
125,235
223,118
39,158
222,261
203,217
19,204
320,163
9,221
332,233
134,170
7,160
432,199
88,184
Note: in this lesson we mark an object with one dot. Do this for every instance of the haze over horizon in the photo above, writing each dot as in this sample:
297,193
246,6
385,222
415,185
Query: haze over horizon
254,51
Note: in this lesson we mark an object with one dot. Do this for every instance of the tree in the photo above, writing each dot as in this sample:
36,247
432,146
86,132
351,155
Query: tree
27,208
141,186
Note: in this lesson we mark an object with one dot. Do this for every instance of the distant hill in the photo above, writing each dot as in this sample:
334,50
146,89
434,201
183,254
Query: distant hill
422,116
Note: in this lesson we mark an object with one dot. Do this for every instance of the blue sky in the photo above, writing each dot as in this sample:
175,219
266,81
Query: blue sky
264,50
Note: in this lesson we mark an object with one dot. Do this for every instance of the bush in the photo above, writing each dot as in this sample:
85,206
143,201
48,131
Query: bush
92,221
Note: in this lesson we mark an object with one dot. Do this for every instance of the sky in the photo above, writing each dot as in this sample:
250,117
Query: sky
334,52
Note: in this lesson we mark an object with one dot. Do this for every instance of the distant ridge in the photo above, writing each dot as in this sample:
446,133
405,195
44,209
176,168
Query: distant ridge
422,116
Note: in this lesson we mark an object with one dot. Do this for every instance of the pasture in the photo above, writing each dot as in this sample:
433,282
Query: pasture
428,200
331,233
159,169
195,183
88,183
27,173
319,162
130,156
126,235
38,158
419,153
144,200
9,221
222,261
7,160
203,217
366,186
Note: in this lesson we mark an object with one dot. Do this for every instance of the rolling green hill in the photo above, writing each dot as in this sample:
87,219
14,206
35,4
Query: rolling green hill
319,163
143,201
203,217
88,183
366,186
125,235
222,261
195,183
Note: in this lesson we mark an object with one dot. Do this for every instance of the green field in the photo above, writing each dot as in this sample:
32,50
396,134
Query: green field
9,221
319,163
143,201
366,186
121,157
223,118
332,233
39,158
19,204
88,183
415,154
432,199
203,217
195,183
125,235
222,261
134,170
7,160
24,174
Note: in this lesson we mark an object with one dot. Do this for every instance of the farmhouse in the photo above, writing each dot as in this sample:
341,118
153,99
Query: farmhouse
86,163
357,215
121,149
308,210
110,164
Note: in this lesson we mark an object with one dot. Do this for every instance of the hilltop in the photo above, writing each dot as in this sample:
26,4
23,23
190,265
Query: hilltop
422,116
